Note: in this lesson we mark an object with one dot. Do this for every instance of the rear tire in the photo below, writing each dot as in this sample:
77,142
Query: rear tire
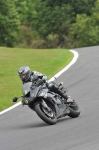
51,120
74,110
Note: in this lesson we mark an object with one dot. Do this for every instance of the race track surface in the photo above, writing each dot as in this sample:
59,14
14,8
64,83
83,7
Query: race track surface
22,129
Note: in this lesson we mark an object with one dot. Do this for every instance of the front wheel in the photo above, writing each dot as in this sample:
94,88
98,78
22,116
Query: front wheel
74,110
45,115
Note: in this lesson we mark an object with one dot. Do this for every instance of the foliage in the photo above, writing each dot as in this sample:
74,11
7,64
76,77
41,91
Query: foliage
82,6
48,23
86,29
9,23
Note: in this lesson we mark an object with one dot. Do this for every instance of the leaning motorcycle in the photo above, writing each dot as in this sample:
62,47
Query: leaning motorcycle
48,105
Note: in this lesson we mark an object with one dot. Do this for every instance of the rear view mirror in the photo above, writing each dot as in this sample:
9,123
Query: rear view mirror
15,99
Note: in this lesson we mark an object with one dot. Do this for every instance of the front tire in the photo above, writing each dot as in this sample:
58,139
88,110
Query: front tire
74,110
41,112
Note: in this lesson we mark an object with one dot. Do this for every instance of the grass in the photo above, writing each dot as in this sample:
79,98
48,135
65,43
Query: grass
48,61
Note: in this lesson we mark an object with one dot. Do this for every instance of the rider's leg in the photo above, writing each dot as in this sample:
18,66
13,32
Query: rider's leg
53,87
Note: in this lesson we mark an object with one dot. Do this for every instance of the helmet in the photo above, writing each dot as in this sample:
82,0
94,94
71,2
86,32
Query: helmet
24,73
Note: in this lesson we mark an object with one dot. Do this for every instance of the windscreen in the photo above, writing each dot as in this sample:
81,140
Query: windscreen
26,88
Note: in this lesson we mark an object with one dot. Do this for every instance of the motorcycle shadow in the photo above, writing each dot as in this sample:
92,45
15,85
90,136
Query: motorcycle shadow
60,120
41,124
33,125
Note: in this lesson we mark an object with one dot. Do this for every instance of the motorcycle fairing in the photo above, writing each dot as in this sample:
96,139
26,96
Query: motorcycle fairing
60,108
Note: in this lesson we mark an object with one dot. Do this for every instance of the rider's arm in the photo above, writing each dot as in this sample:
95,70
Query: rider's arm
39,75
42,76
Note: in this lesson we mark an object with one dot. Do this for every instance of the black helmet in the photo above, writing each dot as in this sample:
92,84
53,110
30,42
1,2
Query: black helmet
24,73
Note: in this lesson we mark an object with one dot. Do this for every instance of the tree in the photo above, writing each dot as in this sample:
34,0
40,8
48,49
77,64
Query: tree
86,28
9,23
82,6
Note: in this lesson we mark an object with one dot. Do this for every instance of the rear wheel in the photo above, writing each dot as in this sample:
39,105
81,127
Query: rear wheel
47,116
74,110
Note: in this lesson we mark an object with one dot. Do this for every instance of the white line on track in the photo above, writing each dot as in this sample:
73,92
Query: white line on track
57,75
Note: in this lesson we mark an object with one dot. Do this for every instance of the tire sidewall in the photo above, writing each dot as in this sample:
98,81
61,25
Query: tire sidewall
41,114
74,113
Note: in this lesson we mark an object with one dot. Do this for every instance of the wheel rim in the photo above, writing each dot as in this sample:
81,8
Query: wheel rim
50,114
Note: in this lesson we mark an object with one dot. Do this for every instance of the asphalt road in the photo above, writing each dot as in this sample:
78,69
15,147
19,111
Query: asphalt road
22,129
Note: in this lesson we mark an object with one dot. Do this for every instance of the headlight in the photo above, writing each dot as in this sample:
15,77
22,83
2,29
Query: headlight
26,101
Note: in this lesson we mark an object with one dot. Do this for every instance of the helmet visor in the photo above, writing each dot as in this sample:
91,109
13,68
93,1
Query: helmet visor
23,76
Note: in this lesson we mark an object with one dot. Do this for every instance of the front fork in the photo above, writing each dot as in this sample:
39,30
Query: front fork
43,103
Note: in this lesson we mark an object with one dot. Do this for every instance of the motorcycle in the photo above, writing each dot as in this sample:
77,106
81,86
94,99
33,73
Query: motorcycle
48,105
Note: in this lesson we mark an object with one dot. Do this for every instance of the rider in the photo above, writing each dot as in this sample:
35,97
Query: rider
26,75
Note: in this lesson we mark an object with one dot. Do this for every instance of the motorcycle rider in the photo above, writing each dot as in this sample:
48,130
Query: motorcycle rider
26,75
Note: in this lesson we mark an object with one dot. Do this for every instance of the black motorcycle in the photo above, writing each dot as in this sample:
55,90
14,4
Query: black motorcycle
48,105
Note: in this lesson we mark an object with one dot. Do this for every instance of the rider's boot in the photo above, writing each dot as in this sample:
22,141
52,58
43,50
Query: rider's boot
65,96
56,89
69,100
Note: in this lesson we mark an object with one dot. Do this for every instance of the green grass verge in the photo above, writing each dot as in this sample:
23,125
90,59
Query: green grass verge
47,61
